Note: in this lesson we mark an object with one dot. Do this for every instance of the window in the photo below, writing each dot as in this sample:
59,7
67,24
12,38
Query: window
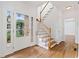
22,25
19,25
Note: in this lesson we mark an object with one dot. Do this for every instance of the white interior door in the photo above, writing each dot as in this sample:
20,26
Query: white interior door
69,29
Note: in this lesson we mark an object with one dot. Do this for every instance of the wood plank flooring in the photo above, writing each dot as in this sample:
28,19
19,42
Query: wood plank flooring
39,52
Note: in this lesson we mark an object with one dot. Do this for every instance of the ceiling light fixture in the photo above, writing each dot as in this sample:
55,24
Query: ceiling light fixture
69,7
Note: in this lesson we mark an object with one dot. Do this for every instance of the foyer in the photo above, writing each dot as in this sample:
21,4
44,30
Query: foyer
39,29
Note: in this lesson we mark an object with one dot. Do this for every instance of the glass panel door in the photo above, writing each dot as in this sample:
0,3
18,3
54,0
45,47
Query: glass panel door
8,22
8,27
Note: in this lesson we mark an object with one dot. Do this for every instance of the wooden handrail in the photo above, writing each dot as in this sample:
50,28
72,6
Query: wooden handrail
43,10
45,27
44,7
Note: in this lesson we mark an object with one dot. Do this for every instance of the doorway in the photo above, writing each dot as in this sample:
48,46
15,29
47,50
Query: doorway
69,30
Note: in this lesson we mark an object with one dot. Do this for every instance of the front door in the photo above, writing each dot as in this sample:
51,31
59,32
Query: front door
15,31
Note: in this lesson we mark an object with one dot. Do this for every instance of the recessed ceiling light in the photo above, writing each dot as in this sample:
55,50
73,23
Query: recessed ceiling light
69,7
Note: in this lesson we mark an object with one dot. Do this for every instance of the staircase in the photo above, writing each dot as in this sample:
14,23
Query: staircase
44,31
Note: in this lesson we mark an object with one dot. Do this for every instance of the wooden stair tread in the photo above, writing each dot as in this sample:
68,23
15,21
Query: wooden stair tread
53,45
51,40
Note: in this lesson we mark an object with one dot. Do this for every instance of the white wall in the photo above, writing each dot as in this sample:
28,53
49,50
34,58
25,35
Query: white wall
77,24
26,41
78,27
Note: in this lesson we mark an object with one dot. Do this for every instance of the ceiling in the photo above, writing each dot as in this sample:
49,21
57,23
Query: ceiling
33,3
60,5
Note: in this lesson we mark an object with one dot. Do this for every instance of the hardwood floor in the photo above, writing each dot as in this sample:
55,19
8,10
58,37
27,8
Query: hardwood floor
39,52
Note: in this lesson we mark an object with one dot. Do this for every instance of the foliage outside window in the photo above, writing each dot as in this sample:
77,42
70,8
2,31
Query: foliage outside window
8,36
21,25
